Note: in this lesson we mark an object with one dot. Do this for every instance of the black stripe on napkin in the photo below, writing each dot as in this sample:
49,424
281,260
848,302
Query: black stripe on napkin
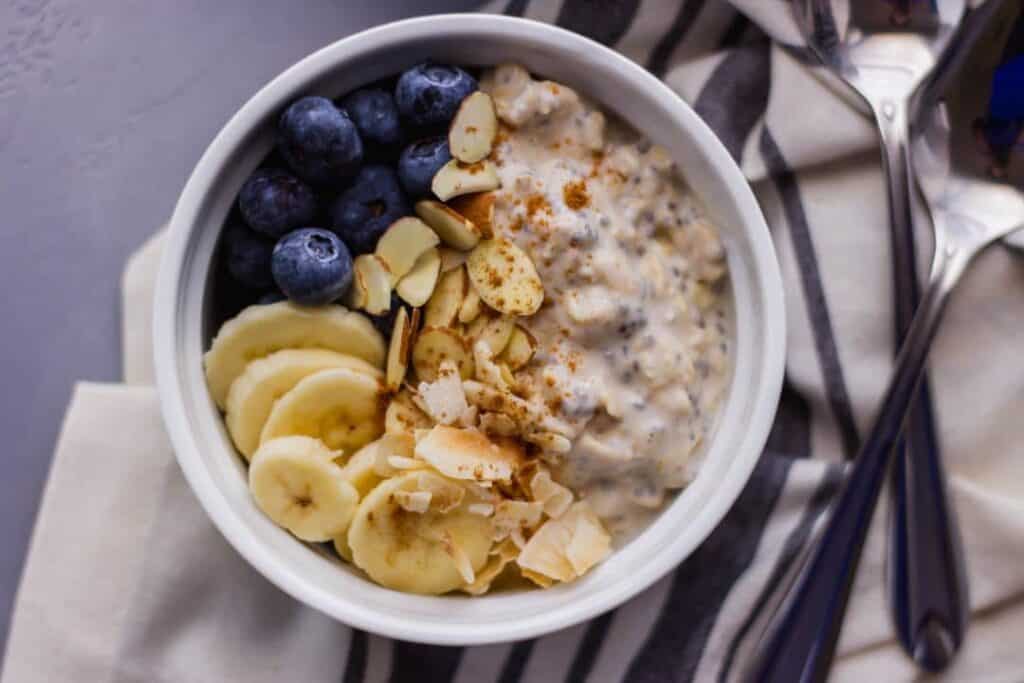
605,21
589,647
414,662
735,31
701,584
814,292
355,667
684,19
516,8
516,661
735,96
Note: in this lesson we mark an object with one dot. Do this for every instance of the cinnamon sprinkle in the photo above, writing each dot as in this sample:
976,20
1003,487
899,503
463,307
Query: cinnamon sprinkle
575,195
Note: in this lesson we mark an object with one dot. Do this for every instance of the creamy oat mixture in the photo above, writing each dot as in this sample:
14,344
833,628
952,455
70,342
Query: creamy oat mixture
636,329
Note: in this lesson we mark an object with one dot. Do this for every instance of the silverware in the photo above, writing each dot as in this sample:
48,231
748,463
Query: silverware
886,51
972,203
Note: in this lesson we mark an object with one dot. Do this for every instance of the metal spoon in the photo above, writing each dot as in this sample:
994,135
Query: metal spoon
969,209
886,51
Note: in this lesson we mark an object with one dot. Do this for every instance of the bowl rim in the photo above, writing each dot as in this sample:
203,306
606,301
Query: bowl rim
168,294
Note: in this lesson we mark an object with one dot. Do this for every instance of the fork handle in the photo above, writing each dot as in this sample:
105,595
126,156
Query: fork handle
925,569
801,637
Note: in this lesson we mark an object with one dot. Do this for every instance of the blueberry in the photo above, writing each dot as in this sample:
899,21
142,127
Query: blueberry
319,141
247,256
312,266
365,210
376,117
275,202
428,95
419,162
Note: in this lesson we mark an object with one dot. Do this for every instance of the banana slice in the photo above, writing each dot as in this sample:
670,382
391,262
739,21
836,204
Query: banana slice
341,407
430,553
296,484
253,394
261,330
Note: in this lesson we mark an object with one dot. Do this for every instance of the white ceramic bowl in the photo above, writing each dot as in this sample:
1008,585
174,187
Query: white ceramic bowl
182,329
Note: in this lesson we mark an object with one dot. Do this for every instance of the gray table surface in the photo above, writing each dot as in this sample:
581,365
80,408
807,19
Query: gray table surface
105,106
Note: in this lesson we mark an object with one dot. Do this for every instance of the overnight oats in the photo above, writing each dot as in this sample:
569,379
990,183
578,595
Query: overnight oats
492,330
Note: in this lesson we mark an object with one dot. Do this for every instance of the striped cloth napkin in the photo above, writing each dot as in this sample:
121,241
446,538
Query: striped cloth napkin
128,581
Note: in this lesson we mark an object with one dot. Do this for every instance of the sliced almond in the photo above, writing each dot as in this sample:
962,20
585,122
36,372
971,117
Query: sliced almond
478,208
398,350
403,243
433,346
520,349
413,501
495,332
418,284
505,277
372,273
356,297
403,417
452,259
443,306
472,133
469,454
455,230
456,178
470,308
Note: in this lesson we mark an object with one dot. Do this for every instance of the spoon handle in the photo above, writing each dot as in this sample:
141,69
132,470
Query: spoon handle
801,637
926,576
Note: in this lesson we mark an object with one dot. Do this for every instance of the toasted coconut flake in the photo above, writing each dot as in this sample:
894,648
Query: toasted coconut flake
482,491
519,538
539,579
445,495
485,369
403,416
505,277
510,515
413,501
482,509
555,498
524,413
443,399
469,416
469,454
568,547
590,542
